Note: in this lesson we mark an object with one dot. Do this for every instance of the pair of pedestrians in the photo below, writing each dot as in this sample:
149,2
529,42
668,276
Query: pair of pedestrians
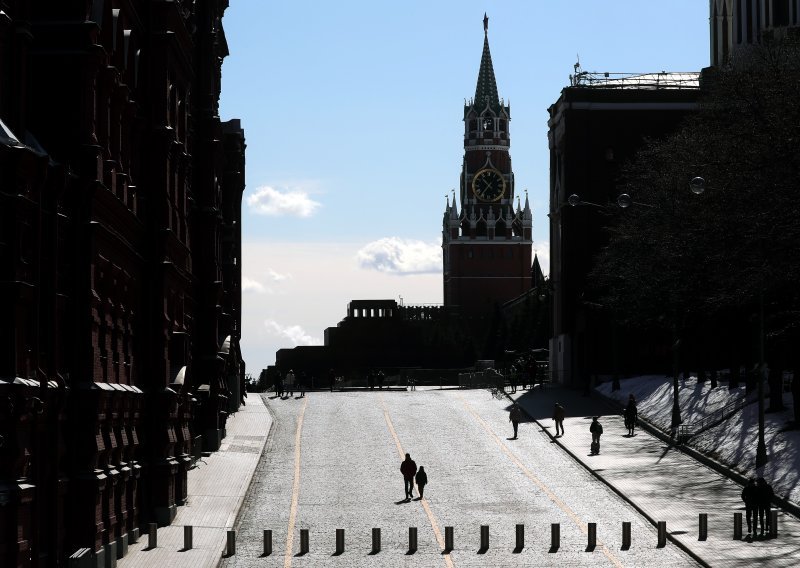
757,497
410,474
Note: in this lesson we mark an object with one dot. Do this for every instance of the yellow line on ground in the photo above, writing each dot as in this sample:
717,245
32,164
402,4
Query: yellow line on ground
439,538
546,490
287,557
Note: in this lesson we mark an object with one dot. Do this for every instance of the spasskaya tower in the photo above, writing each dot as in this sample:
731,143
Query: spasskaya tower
486,241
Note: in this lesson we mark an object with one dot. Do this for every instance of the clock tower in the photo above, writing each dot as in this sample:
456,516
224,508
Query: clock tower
486,241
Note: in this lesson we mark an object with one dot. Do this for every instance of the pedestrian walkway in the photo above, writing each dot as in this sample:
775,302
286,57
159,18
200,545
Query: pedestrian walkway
662,482
216,491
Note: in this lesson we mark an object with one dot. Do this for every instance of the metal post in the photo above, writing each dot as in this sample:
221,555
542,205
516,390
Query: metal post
626,535
703,526
448,539
484,537
761,447
412,539
152,535
773,523
555,536
520,537
303,541
592,543
376,541
187,537
339,541
737,526
267,542
662,534
231,543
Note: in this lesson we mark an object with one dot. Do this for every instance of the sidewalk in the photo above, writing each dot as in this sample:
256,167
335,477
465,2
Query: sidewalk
662,482
216,491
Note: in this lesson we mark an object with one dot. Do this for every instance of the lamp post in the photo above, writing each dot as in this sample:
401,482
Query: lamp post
697,186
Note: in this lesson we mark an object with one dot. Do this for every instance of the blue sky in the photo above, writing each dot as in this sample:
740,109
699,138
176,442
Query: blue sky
352,115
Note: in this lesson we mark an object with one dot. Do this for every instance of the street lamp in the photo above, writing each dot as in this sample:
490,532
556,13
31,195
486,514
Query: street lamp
697,186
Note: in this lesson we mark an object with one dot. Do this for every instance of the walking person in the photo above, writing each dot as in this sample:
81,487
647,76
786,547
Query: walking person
631,414
515,416
597,430
279,386
422,481
408,468
764,494
301,383
750,498
331,379
558,418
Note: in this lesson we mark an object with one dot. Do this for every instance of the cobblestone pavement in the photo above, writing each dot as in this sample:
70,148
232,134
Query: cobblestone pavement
332,461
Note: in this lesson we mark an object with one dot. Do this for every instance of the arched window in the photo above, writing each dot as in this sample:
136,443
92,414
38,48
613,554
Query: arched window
500,229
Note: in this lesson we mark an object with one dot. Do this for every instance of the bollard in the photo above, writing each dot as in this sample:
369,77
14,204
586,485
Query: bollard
303,541
773,523
484,537
267,542
703,526
187,537
412,539
520,537
152,535
339,541
626,535
737,526
376,541
555,536
592,542
231,543
662,534
448,539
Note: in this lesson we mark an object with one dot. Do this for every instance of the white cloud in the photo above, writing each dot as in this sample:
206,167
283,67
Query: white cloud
293,333
267,200
277,276
250,285
399,256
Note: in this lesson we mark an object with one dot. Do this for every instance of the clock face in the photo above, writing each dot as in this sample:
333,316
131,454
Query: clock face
488,185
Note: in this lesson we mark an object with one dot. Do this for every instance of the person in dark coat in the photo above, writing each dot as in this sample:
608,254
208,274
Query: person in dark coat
408,468
750,498
515,416
558,418
631,413
597,430
278,386
422,480
765,494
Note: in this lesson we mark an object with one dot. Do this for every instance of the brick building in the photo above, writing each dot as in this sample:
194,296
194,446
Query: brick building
120,197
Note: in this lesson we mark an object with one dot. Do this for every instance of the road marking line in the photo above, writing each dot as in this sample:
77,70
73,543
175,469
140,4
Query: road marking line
439,538
530,475
287,557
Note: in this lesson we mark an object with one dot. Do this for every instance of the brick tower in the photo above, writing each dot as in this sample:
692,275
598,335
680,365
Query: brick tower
487,241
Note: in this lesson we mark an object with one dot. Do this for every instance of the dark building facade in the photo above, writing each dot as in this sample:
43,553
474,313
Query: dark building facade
381,334
486,243
595,126
120,195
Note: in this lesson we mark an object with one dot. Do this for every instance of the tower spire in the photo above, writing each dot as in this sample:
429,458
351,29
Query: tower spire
486,89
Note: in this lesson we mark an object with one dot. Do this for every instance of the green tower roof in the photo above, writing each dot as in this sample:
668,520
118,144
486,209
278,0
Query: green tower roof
486,90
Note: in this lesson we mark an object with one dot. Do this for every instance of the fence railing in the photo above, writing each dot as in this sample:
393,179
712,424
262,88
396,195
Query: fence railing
686,431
